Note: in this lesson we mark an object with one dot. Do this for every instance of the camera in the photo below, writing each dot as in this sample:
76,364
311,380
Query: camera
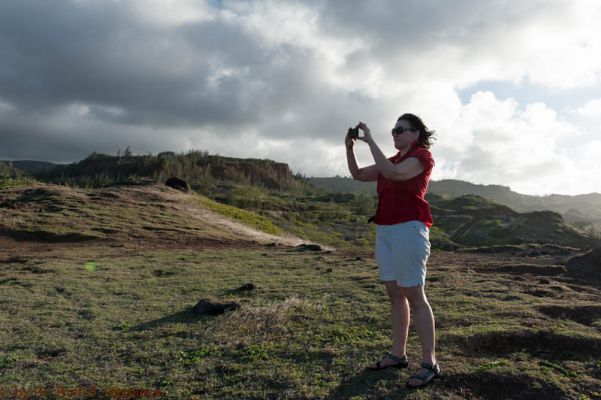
353,132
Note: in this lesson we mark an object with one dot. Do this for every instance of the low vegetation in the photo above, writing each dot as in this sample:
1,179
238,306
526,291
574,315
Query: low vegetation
7,182
99,277
269,197
312,324
247,217
203,171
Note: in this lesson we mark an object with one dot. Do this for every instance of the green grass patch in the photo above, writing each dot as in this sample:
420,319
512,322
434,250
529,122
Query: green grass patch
491,365
547,366
6,362
247,217
191,357
308,329
7,182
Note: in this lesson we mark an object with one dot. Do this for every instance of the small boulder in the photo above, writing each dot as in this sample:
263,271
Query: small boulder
178,184
209,307
595,255
248,287
588,264
309,247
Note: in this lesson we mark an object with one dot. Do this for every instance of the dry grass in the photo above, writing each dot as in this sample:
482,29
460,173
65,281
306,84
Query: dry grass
303,332
511,324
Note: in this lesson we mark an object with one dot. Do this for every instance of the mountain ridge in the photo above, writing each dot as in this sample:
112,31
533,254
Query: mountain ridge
221,177
574,208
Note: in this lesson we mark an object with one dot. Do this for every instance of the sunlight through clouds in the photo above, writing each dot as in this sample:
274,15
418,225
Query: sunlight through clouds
284,80
523,148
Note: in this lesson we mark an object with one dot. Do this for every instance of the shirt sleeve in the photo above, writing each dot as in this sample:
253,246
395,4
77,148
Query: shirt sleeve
425,157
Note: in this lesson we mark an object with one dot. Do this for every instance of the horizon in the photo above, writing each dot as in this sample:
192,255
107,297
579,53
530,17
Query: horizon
513,89
337,176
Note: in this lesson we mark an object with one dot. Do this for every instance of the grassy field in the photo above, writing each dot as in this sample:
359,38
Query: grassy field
106,318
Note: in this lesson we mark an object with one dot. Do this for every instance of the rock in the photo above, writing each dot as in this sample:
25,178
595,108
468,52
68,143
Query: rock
160,272
209,307
246,288
178,184
595,255
588,264
309,247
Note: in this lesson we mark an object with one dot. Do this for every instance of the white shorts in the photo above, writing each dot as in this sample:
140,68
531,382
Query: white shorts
402,251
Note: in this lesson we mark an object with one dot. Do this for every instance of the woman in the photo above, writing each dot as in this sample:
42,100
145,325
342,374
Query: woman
402,237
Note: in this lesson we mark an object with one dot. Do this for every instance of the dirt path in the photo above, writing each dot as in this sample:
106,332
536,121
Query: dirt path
181,202
208,230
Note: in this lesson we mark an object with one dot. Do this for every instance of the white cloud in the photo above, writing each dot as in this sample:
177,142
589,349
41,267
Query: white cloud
530,149
591,110
4,106
284,80
169,13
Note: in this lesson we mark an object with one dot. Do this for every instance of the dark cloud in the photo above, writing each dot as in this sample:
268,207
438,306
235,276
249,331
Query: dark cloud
78,76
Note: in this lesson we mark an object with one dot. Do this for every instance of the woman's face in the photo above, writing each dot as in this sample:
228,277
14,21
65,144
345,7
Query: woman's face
402,136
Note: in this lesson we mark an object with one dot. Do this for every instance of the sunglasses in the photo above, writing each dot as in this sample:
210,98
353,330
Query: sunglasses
400,130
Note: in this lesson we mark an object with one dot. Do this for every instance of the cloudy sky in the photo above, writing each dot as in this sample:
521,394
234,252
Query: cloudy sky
512,87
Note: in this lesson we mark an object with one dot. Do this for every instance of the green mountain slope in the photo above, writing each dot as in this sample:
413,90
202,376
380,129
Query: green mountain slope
152,213
476,221
582,209
29,166
268,189
204,172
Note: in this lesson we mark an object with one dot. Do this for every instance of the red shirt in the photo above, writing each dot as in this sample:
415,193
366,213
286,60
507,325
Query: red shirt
402,201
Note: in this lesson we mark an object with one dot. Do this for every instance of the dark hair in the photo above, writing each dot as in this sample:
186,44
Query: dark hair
416,123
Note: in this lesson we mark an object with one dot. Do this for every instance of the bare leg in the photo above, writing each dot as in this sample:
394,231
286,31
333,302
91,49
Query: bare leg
399,313
423,319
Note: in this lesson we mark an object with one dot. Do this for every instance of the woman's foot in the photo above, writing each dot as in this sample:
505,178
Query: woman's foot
390,360
426,374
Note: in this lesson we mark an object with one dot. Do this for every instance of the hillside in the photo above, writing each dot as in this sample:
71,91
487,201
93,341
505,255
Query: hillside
203,172
28,166
152,214
588,205
340,184
109,314
207,172
476,221
584,210
269,190
99,287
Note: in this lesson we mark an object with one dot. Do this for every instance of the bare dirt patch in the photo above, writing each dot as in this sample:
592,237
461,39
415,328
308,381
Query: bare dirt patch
584,315
546,345
491,386
518,269
586,267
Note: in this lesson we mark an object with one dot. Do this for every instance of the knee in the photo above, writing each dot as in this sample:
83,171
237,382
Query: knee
417,303
398,301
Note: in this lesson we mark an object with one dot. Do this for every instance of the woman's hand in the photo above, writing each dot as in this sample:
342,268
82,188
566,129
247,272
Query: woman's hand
367,138
349,142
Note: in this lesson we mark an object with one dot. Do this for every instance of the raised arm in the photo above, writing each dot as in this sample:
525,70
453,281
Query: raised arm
366,174
409,168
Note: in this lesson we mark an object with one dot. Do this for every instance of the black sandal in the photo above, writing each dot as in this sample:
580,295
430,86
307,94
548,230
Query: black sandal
433,372
400,362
